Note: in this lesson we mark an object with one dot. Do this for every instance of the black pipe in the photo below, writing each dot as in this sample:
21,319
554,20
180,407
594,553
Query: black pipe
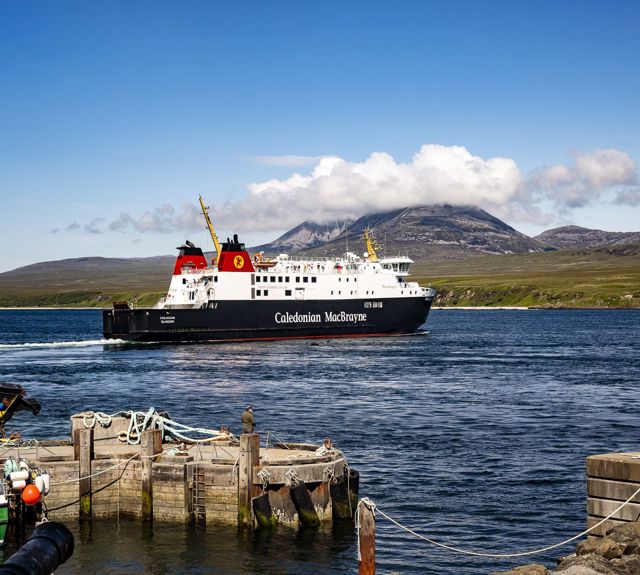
49,546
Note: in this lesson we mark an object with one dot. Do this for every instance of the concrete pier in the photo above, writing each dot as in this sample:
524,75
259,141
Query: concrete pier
611,479
95,474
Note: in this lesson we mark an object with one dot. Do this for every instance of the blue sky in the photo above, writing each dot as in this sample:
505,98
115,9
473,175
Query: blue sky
114,116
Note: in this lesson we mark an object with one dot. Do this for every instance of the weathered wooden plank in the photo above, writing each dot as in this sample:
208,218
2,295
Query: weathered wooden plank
308,473
249,457
85,456
602,529
617,466
367,541
603,507
611,489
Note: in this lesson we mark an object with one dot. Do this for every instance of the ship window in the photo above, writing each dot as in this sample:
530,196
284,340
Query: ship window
280,279
265,279
287,292
286,278
184,281
331,292
266,292
339,292
367,292
305,280
339,279
273,279
215,278
297,279
258,279
313,280
347,279
258,292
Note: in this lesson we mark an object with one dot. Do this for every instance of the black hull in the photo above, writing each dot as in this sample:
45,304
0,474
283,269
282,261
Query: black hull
265,320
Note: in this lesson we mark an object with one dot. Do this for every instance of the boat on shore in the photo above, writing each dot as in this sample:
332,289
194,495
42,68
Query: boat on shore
237,297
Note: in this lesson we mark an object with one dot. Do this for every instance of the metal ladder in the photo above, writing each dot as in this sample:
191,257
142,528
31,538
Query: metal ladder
198,494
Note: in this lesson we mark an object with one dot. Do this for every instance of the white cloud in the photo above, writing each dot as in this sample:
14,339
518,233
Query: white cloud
587,179
288,161
336,189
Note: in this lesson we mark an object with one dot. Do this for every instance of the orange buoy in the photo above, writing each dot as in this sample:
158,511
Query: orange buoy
30,494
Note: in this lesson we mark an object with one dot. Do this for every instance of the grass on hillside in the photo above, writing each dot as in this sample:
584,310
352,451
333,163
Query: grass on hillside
550,279
570,278
78,299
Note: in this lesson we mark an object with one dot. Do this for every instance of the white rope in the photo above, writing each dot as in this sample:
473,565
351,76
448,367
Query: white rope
90,419
503,555
139,421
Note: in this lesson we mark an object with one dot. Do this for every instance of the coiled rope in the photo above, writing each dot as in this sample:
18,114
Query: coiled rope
139,421
374,508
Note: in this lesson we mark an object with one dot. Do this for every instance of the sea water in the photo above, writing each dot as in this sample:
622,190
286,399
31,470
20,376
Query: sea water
473,434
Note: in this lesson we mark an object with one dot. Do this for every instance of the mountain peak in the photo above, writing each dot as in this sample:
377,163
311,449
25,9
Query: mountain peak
577,237
436,231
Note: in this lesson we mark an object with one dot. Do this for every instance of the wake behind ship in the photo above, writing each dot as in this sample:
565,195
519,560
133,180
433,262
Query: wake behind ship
238,297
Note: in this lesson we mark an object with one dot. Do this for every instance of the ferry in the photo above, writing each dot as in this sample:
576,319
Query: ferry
238,297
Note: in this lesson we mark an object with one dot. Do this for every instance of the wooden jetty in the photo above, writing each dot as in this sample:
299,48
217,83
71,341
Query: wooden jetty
611,479
95,474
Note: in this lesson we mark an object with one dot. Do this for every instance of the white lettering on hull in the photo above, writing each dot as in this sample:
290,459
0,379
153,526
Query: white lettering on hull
329,316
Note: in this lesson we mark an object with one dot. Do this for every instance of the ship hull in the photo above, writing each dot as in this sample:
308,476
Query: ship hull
267,320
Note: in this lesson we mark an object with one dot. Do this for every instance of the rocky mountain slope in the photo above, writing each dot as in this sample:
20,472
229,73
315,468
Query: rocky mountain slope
429,232
576,237
306,235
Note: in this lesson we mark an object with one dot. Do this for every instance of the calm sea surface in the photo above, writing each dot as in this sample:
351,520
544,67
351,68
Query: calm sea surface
474,434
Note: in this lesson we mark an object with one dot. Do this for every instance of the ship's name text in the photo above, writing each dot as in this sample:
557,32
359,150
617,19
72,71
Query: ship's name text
329,316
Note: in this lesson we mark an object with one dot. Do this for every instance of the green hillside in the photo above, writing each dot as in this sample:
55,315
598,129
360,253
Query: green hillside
605,277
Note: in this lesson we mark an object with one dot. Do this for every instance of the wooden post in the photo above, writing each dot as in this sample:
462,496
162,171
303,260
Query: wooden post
249,457
83,452
367,540
151,443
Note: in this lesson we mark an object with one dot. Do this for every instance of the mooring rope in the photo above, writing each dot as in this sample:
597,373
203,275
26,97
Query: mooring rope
139,421
374,508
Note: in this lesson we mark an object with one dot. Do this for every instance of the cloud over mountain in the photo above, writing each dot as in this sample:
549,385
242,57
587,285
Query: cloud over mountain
336,189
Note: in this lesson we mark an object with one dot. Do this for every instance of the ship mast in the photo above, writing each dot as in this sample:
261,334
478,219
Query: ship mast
214,237
370,243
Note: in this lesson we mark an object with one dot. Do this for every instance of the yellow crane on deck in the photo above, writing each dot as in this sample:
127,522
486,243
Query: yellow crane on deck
214,237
